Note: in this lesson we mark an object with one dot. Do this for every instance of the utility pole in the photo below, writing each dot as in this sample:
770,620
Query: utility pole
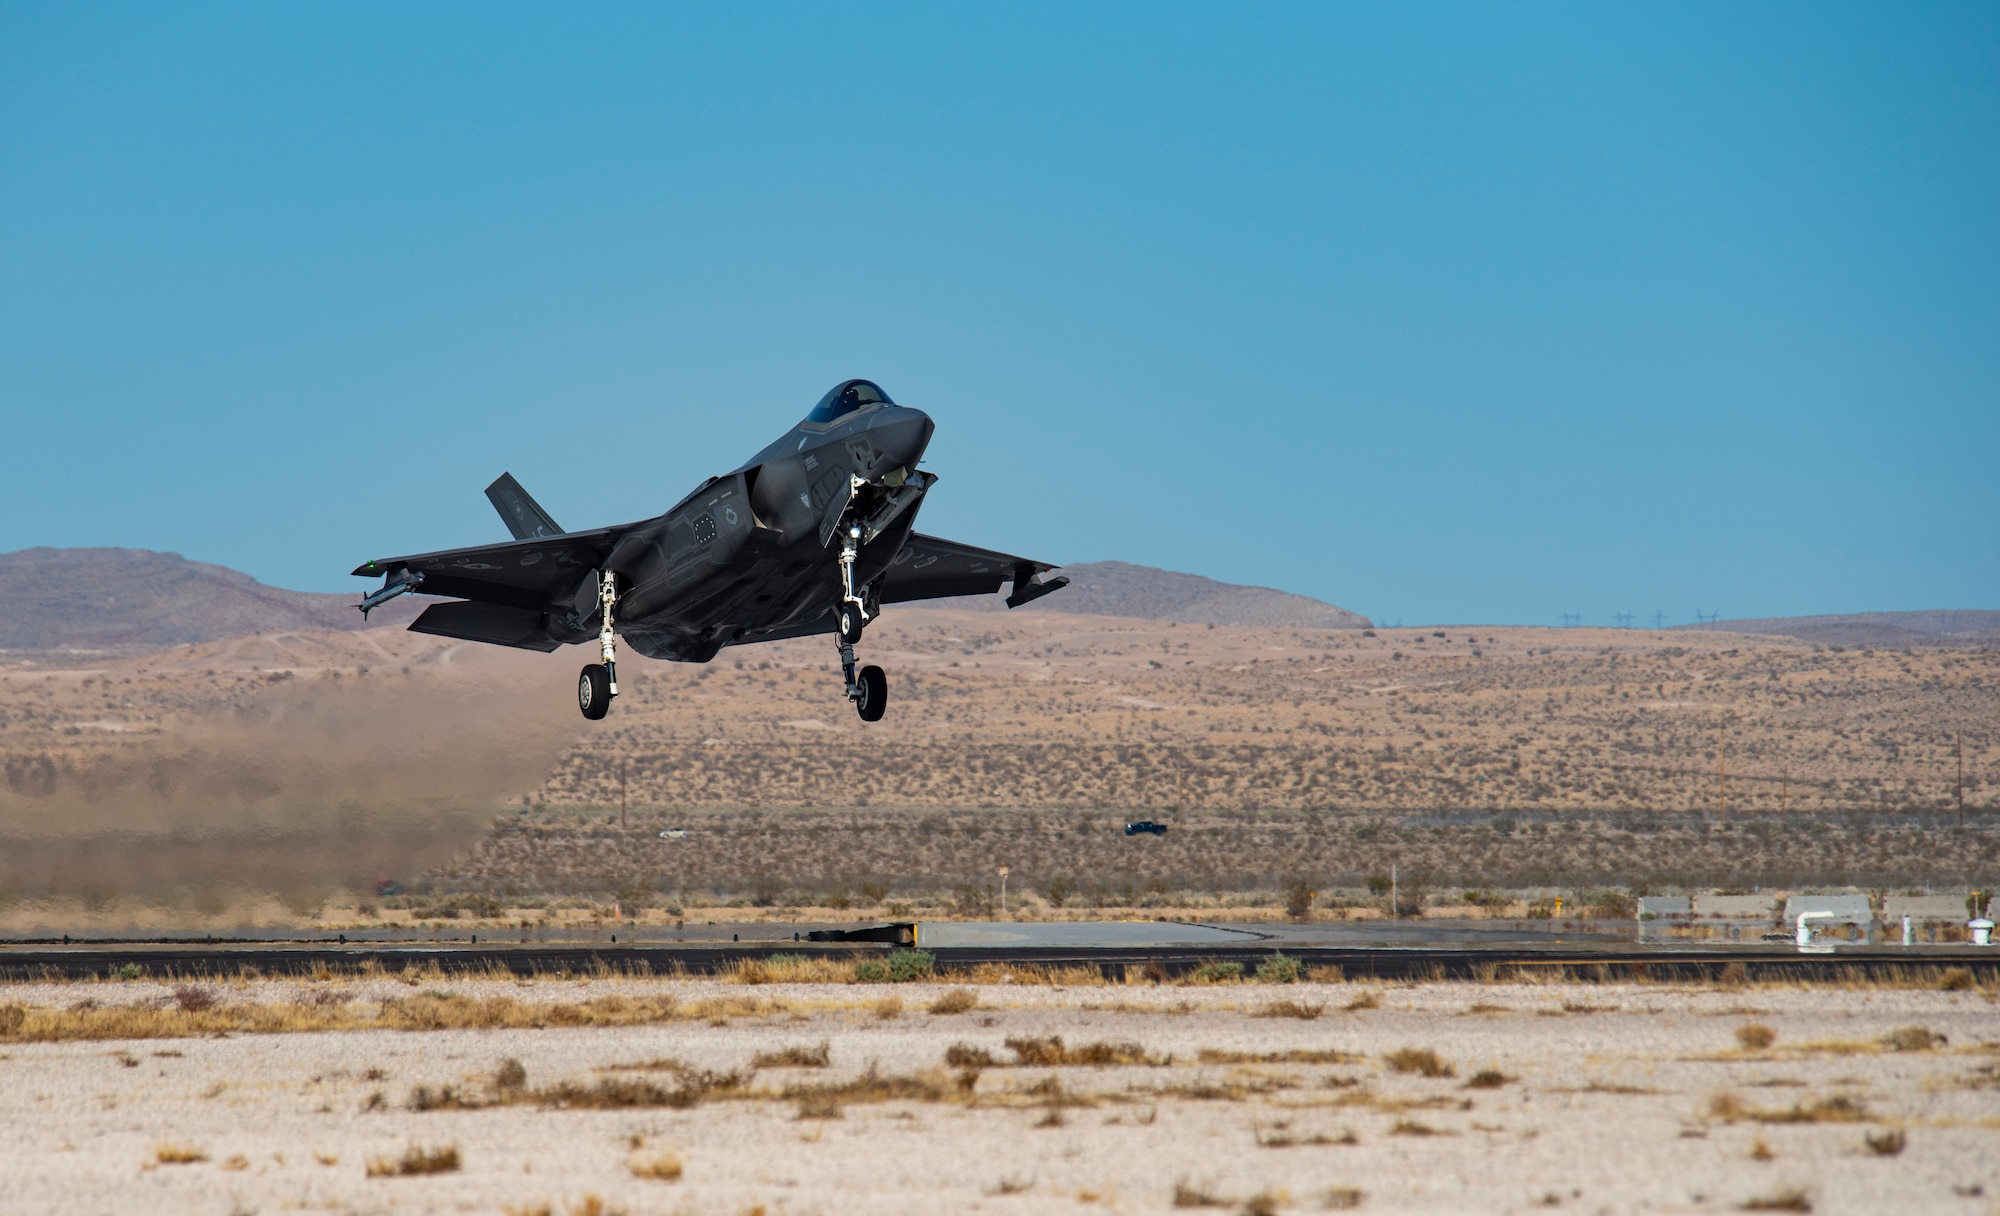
1659,619
623,765
1961,778
1393,911
1003,890
1784,796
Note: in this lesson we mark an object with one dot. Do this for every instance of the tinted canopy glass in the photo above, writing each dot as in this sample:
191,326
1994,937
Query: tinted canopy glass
846,397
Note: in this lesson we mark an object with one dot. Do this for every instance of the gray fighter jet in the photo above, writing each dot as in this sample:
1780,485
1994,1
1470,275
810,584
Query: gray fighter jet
811,535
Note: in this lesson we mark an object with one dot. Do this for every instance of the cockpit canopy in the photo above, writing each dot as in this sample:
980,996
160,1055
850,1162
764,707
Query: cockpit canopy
846,397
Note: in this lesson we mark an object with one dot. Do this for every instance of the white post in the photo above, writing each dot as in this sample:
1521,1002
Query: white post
1804,931
1907,938
1393,912
1003,890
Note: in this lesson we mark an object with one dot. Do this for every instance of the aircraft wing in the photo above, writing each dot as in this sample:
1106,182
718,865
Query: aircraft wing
931,567
505,591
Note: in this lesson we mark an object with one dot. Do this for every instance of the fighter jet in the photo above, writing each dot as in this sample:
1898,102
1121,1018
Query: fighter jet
812,535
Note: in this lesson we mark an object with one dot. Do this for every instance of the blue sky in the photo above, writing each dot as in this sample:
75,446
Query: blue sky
1442,313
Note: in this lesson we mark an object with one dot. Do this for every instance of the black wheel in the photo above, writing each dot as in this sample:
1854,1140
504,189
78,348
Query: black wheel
593,691
874,694
851,623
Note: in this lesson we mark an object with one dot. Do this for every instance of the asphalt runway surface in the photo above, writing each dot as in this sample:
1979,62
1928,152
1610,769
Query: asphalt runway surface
1161,950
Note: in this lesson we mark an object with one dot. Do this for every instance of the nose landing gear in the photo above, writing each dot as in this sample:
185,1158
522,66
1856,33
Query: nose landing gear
868,688
598,683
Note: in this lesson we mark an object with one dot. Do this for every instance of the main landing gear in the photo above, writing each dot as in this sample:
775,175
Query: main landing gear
868,688
598,683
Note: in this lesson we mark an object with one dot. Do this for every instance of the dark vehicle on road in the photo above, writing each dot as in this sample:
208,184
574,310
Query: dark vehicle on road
1145,826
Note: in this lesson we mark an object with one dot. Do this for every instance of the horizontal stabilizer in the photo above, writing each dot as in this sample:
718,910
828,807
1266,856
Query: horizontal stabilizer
523,516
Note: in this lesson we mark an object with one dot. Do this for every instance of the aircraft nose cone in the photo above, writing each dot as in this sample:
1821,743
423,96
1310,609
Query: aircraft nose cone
903,434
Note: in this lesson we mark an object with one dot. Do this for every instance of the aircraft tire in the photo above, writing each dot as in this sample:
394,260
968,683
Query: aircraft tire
850,623
874,697
593,691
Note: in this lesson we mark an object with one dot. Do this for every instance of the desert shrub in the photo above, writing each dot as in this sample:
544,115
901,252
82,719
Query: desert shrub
798,1055
1418,1060
1608,905
1887,1143
908,965
1955,979
416,1160
871,971
965,1055
1755,1037
1299,896
130,971
510,1077
1290,1009
12,1018
193,998
1217,973
958,1000
1913,1038
1487,1078
1278,969
1058,891
873,892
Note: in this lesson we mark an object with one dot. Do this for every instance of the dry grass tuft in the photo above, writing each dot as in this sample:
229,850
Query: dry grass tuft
1290,1009
1888,1143
1793,1200
178,1154
1418,1060
1210,1055
1280,1136
1838,1109
1342,1199
1264,1203
965,1055
889,1008
790,969
691,1088
1755,1037
1190,1196
870,1087
1410,1127
1049,1052
1761,1151
1955,979
1488,1078
1367,1000
1913,1038
796,1056
660,1166
958,1000
417,1161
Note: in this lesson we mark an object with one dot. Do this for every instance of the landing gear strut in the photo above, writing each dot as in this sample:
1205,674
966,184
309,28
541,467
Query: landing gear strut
598,683
868,688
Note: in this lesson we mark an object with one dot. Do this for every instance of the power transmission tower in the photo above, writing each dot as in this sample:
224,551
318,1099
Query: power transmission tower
1659,620
1624,619
1572,619
1706,618
1961,778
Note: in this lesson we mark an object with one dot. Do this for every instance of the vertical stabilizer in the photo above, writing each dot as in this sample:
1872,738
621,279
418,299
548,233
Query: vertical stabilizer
523,516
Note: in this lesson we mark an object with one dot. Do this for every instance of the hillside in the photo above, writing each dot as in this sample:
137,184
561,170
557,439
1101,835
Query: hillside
130,601
1957,629
1149,593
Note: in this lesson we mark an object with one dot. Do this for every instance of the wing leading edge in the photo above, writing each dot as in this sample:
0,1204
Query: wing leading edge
507,594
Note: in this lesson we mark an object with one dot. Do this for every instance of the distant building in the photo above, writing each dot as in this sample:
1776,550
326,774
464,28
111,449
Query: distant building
1845,909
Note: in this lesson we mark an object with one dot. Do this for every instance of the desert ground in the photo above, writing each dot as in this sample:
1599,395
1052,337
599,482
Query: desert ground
1498,756
1014,1093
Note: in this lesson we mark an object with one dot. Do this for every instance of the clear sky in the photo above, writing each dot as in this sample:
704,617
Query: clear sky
1442,313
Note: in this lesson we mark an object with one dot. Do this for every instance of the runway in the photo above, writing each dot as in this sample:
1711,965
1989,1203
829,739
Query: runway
1158,950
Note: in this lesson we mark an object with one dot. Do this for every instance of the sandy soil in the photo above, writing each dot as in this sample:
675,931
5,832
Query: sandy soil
1610,1105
